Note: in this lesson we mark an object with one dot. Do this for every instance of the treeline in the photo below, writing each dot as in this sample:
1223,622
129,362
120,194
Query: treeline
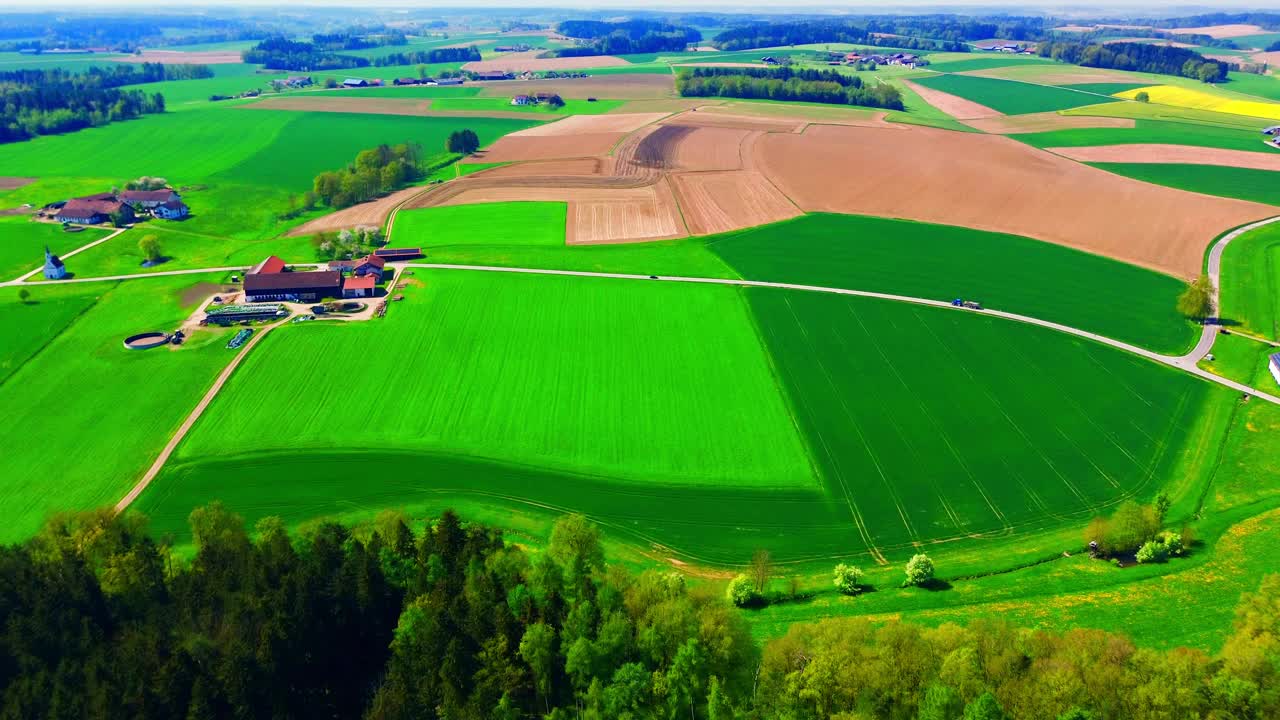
819,86
384,621
114,75
375,171
357,41
625,37
1140,57
428,57
445,619
91,28
770,34
47,102
281,53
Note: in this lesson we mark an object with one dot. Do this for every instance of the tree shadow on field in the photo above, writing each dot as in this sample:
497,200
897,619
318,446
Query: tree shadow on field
935,585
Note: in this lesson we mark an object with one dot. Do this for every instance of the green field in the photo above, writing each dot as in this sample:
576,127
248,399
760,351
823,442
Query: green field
513,223
554,372
1010,97
1263,86
986,63
1242,359
502,104
28,326
1261,186
22,244
1152,131
184,250
943,262
408,91
1107,88
87,407
1250,292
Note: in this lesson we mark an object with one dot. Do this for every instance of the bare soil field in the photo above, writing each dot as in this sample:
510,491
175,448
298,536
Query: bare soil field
671,105
511,148
1173,154
13,183
712,117
793,115
1219,32
589,166
691,148
715,202
953,105
376,106
1151,41
179,57
639,86
993,183
521,62
1044,122
577,125
1270,58
374,212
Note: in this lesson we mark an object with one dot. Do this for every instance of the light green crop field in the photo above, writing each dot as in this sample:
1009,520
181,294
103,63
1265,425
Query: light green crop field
1241,183
28,326
511,223
585,375
1250,292
1242,359
184,250
88,407
22,244
501,104
1153,111
943,262
1263,86
1152,131
1009,97
1105,88
986,62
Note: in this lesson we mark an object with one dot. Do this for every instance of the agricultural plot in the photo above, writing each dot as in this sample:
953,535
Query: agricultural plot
968,64
183,250
22,244
1172,155
588,376
1262,86
406,91
1150,131
115,408
1250,292
484,105
1104,88
514,223
997,429
1242,359
1260,186
1009,97
942,262
28,326
1212,101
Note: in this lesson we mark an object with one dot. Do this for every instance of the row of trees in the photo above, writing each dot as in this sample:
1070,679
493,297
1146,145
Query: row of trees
438,55
769,34
625,37
375,171
281,53
59,107
826,86
358,40
1140,57
447,620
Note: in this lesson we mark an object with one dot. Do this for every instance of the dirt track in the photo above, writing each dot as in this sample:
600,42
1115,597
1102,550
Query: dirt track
1174,154
1044,122
953,105
994,183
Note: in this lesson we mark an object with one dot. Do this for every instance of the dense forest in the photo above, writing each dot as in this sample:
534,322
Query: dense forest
446,619
761,35
820,86
281,53
427,57
374,171
119,32
45,102
334,42
626,37
1140,57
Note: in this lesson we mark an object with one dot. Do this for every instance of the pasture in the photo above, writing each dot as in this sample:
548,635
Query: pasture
967,62
491,104
942,262
184,250
1262,186
1009,97
513,223
22,244
27,327
1250,292
584,375
84,404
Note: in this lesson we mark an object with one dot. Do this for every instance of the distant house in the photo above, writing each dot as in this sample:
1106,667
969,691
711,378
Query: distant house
1273,364
355,82
493,75
522,100
395,254
447,81
171,210
370,265
769,60
89,210
297,81
149,199
359,287
343,266
55,270
405,81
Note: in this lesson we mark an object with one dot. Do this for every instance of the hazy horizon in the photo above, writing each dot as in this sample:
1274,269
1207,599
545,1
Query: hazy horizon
1148,7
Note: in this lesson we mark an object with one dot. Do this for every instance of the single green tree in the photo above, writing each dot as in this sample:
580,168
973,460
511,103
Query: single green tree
1196,301
919,570
149,246
986,707
847,579
1142,97
740,591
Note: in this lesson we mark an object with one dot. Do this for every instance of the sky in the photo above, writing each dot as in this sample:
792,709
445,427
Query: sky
1056,8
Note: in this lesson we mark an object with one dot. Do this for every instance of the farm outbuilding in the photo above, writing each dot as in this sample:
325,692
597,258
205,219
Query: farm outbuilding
359,287
1273,364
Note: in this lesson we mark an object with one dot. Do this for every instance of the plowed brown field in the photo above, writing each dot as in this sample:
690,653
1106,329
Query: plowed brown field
511,148
716,202
371,213
178,57
590,124
953,105
994,183
1044,122
618,87
1175,154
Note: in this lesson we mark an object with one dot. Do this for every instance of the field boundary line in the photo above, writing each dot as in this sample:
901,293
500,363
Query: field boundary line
190,422
1176,362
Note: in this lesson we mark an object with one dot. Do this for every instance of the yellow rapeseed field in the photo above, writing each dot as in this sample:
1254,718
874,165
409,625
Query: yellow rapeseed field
1199,100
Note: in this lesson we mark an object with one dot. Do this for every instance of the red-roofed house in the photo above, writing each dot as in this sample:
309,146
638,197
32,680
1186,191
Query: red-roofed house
270,266
90,211
370,265
359,287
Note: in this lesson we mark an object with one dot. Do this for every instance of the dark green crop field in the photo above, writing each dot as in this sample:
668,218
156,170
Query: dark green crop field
1250,292
943,262
1152,131
1261,186
1010,97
